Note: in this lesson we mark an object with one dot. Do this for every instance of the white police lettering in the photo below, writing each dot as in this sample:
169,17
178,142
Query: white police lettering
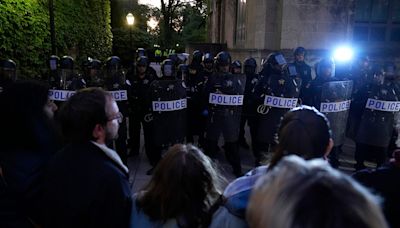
280,102
119,95
222,99
60,95
335,106
386,106
166,106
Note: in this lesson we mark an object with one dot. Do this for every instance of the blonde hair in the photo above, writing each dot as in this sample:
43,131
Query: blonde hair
299,193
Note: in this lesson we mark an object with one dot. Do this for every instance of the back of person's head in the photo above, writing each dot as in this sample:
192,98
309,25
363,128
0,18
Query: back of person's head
184,186
82,112
23,114
303,131
299,193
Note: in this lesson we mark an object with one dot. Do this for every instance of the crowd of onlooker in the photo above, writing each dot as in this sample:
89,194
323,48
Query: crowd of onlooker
59,172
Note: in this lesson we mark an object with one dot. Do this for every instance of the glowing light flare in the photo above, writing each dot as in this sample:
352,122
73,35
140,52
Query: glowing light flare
152,23
343,54
130,19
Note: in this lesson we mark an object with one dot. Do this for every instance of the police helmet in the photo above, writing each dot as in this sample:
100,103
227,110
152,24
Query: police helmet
140,52
197,56
250,65
299,51
208,58
95,64
250,62
236,64
142,61
168,68
324,64
67,62
223,59
8,64
276,58
113,62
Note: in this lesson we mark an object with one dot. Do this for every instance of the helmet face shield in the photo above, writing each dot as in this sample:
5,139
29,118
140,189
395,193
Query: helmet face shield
53,64
168,70
280,59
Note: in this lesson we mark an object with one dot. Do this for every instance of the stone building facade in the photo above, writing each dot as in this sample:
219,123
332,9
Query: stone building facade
257,27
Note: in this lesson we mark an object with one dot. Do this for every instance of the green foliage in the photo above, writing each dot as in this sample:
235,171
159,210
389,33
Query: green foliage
127,39
182,22
193,25
82,30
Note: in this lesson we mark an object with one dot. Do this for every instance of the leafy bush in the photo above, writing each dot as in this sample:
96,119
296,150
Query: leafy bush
82,29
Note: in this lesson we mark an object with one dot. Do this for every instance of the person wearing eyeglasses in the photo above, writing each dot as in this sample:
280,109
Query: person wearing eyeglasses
87,183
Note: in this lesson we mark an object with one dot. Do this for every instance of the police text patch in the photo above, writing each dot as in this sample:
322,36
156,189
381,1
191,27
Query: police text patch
222,99
386,106
280,102
166,106
335,106
60,95
119,95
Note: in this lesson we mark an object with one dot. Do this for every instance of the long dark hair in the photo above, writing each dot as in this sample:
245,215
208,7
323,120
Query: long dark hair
183,187
303,131
24,122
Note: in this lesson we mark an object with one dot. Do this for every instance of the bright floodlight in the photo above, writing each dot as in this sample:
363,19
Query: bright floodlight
343,54
130,19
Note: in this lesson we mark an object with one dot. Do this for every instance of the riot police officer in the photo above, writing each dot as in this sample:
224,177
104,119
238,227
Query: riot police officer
8,74
93,74
249,109
168,106
276,93
116,83
195,86
139,115
224,92
325,73
140,52
67,72
208,66
332,97
304,71
362,76
376,126
70,80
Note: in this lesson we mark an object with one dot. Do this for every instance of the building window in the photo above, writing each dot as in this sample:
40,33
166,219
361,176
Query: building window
377,21
241,21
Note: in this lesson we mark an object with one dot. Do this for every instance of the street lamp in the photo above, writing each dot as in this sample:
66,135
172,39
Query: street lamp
130,19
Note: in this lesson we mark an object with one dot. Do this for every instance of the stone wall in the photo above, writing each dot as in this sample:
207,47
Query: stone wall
315,24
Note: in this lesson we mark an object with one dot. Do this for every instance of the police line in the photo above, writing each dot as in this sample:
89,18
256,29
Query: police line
385,106
63,95
222,99
167,106
340,106
280,102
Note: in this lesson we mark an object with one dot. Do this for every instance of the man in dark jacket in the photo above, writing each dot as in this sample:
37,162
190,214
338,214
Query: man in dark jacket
87,183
